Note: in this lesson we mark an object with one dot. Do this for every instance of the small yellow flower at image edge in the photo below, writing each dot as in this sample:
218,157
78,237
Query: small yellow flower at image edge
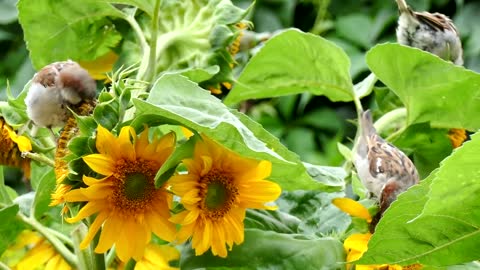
128,206
218,188
40,254
12,146
156,257
356,244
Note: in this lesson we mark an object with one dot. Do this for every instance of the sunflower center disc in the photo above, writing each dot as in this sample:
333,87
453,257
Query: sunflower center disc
217,195
136,186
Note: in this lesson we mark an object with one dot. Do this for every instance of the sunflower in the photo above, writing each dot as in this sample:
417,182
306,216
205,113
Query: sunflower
40,254
156,257
126,200
219,187
11,148
357,244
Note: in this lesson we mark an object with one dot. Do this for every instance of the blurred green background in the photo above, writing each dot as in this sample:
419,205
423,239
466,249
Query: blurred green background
310,126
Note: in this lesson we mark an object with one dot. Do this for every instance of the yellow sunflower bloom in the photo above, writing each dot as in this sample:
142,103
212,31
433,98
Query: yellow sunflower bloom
11,147
357,244
41,254
100,66
457,136
157,257
219,187
126,200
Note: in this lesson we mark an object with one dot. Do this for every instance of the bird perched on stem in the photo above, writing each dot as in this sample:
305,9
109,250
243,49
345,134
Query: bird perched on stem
56,88
384,170
431,32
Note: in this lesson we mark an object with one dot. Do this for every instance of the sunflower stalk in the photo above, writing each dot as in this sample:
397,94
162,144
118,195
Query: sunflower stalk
130,265
112,254
152,59
39,157
98,258
85,256
387,119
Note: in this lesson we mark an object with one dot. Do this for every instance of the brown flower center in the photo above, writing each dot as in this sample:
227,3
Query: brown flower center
218,194
134,189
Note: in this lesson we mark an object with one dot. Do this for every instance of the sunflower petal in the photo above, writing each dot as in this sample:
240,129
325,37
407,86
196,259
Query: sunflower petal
106,143
101,164
125,145
94,229
353,208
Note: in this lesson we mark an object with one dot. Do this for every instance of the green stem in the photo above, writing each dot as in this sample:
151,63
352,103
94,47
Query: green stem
67,241
130,265
138,31
387,119
56,243
98,258
396,134
40,158
152,59
112,254
143,45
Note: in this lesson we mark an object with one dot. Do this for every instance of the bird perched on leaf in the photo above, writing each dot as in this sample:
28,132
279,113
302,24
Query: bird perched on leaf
431,32
56,88
384,170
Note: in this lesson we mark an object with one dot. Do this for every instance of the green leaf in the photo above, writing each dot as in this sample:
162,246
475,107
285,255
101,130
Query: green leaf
365,87
168,168
145,5
176,100
315,210
60,30
201,74
433,90
393,232
333,178
10,228
437,222
4,196
43,194
345,151
294,62
348,28
271,250
277,221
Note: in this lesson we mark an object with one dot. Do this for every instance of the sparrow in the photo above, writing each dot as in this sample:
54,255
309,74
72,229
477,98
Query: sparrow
384,170
56,88
431,32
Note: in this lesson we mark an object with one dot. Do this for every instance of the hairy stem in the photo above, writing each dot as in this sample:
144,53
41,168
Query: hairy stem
392,116
152,59
40,158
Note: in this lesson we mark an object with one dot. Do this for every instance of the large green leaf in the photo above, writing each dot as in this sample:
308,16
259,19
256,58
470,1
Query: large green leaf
437,222
60,30
392,232
294,62
176,100
315,210
433,90
271,250
43,194
10,226
4,196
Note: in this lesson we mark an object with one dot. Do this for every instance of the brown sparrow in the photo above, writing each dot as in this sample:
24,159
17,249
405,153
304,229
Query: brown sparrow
384,170
431,32
54,89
